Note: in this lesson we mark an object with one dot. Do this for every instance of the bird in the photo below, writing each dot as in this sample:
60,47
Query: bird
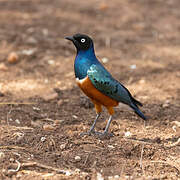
98,84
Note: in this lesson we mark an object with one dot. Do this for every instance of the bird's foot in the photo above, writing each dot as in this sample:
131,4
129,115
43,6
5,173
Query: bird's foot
100,135
103,135
89,133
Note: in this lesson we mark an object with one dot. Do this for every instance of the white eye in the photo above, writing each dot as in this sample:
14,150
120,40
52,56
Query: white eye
83,40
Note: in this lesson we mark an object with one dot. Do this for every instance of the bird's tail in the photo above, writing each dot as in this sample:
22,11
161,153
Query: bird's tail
137,111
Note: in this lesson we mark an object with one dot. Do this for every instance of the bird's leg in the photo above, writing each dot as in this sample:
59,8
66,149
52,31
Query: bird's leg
105,133
94,123
91,131
107,126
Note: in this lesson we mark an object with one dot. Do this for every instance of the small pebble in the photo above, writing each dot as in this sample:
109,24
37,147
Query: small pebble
165,105
74,116
177,123
51,62
77,170
110,146
12,58
128,134
77,158
45,32
36,108
148,127
116,176
105,60
47,175
3,67
99,176
68,173
28,52
17,121
43,139
110,177
62,146
133,66
103,6
2,156
60,102
46,81
11,159
48,127
176,127
142,81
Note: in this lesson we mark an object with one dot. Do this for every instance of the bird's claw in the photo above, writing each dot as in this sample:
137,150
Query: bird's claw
89,133
86,133
103,135
100,135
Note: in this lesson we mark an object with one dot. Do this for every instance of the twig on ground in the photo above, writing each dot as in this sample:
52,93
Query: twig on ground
22,128
18,167
7,118
139,141
86,159
122,170
57,170
140,161
47,119
12,147
32,164
145,123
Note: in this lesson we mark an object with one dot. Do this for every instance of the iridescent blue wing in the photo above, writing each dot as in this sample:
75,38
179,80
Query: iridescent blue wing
105,83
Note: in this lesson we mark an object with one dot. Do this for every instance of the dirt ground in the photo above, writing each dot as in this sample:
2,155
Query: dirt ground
43,112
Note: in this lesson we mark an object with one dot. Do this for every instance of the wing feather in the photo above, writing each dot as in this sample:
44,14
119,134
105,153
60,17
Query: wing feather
105,83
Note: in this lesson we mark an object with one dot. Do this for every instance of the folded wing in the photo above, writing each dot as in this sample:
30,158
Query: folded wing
105,83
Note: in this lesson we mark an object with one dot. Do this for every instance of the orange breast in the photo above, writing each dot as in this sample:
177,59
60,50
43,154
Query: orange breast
88,88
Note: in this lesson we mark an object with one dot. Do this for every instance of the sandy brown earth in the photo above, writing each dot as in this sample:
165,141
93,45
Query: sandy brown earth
43,112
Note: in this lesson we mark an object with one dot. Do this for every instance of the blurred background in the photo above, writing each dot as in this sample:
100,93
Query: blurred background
138,42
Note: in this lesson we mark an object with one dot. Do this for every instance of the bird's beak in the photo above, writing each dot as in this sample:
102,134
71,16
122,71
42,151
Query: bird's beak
69,38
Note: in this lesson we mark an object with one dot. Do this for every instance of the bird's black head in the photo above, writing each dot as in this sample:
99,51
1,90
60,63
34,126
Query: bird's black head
81,41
